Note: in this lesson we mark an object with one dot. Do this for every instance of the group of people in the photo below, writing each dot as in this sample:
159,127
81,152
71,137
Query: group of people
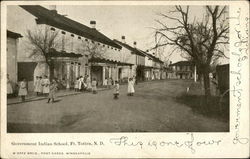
43,86
83,83
131,89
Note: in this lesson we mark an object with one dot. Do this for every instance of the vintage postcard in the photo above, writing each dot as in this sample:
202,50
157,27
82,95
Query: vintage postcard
124,79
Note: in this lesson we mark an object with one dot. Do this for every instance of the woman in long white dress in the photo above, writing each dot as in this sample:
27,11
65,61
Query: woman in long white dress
23,89
80,84
131,89
37,85
45,84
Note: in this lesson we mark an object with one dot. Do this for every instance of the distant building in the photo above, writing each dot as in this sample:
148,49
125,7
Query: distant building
153,67
181,70
137,58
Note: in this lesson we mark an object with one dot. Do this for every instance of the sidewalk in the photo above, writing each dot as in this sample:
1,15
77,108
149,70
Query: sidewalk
32,96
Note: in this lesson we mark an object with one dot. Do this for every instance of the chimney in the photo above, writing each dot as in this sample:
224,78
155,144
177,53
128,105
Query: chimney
93,24
123,39
52,8
134,44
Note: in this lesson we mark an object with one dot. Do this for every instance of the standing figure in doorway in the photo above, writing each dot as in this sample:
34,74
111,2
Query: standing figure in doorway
23,89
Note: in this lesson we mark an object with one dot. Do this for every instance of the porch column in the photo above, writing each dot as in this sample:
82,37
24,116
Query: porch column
116,72
109,68
68,75
195,72
76,70
103,74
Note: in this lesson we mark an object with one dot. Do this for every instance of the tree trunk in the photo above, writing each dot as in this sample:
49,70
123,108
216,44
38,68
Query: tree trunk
206,81
51,71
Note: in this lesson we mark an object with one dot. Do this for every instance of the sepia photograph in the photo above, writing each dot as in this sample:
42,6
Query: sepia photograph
104,68
124,79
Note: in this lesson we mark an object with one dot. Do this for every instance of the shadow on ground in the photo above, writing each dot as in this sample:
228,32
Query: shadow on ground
215,108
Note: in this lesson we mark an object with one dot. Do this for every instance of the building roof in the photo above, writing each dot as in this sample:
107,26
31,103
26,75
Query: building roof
152,57
102,60
55,53
182,63
52,18
132,49
13,35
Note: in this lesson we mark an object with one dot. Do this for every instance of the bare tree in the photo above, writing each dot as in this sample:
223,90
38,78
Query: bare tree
93,49
42,41
201,41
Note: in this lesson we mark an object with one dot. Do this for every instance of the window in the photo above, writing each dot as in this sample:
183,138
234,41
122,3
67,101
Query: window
72,35
53,29
63,32
79,37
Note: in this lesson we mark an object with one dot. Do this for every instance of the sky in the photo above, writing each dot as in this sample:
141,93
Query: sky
136,22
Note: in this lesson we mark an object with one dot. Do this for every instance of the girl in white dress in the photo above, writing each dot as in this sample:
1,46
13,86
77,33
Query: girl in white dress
131,89
23,90
45,84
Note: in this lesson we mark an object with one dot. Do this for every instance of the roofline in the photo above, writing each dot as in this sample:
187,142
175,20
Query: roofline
176,63
90,34
132,49
14,35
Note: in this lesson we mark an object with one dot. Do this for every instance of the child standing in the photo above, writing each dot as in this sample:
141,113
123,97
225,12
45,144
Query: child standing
52,88
131,89
94,83
116,90
76,84
23,89
45,84
109,83
105,82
